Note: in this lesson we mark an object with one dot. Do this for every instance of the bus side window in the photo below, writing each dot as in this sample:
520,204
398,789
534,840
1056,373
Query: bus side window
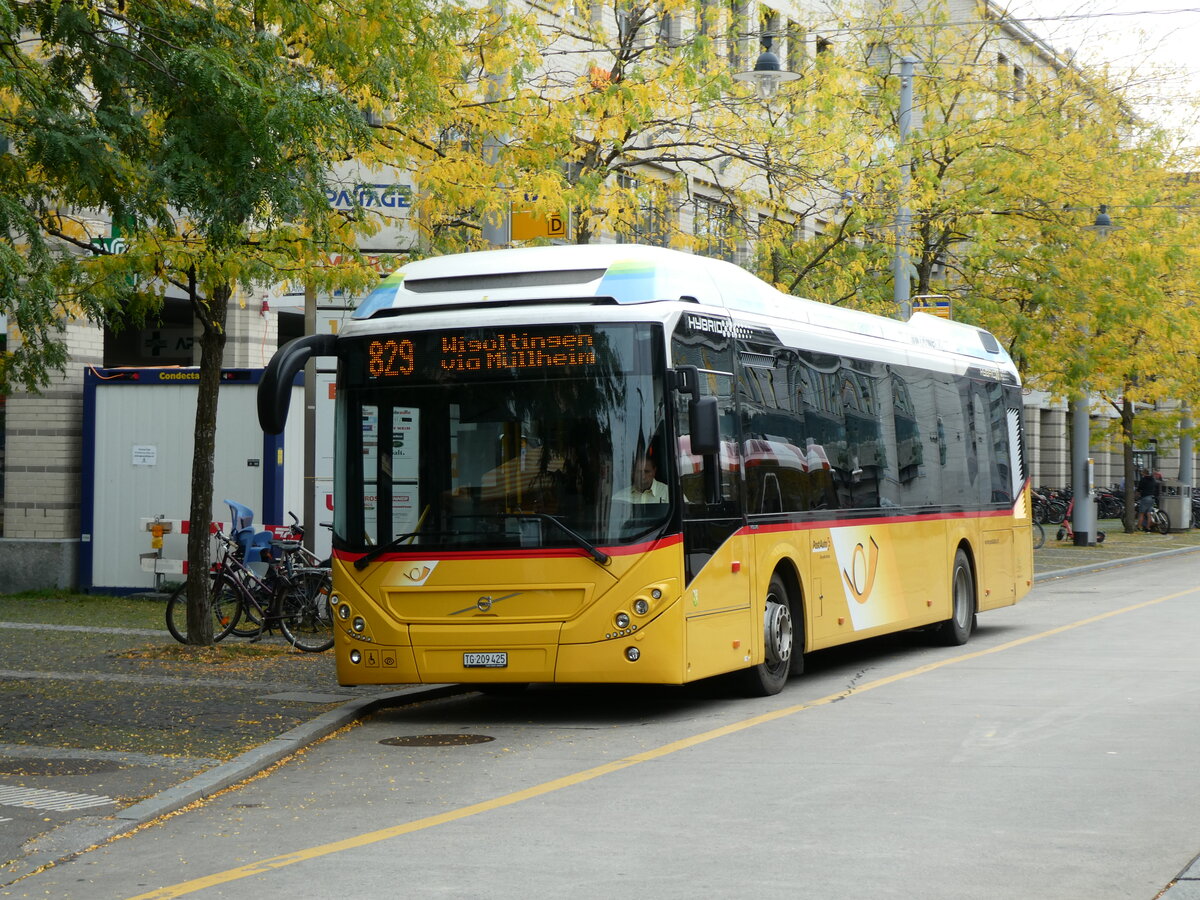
714,488
729,468
999,468
718,483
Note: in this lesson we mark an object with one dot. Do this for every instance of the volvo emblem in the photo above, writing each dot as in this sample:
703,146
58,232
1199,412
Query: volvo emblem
484,604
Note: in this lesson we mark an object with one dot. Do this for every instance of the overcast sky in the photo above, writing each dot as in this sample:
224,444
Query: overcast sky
1142,37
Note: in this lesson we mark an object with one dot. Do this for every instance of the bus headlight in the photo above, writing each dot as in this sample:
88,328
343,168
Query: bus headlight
633,654
622,620
344,611
355,656
358,624
641,606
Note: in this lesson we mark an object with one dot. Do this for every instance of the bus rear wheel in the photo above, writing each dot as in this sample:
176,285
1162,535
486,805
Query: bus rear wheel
957,629
779,644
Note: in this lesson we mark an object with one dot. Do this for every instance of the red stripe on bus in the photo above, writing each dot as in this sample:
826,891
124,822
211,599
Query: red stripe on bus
873,520
559,553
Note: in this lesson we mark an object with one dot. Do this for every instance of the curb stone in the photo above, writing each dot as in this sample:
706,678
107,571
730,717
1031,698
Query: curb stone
1109,563
75,837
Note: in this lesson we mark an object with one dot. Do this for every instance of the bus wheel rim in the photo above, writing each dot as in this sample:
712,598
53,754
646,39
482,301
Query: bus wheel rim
777,633
962,600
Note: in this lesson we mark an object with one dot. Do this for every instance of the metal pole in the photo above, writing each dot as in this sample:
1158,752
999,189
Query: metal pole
901,284
1083,520
1186,460
496,227
310,423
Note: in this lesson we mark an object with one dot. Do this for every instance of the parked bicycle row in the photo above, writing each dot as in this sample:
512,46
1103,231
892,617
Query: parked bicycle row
261,583
1054,507
1050,504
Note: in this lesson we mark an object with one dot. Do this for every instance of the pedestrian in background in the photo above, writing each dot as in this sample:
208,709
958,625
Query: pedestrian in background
1147,498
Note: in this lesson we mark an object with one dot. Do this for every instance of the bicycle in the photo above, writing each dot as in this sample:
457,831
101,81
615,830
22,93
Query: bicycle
1039,535
1066,532
1052,506
1109,505
290,594
225,605
225,608
1160,520
284,549
293,597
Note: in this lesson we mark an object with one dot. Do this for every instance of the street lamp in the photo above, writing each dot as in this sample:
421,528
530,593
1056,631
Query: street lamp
768,72
1103,225
1083,520
901,287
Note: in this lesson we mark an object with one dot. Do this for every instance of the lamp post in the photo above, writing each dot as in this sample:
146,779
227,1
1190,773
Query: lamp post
1083,520
900,279
768,72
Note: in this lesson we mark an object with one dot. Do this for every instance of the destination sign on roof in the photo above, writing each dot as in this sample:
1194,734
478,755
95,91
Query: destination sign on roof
479,352
455,354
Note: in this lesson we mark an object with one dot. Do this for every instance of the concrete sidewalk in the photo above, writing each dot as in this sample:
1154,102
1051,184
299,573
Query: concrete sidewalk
104,729
1058,558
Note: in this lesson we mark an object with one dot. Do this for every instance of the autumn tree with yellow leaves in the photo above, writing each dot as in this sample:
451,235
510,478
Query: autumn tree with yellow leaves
210,131
207,131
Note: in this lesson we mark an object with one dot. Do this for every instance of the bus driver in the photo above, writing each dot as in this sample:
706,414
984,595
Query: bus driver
645,487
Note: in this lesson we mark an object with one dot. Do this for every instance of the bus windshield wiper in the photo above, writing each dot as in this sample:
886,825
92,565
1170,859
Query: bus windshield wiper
375,552
598,555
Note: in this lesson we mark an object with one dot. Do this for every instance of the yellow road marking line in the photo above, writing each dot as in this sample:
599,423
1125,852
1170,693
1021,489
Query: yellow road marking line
557,784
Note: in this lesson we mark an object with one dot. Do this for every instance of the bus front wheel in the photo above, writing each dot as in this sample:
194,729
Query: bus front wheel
957,629
779,644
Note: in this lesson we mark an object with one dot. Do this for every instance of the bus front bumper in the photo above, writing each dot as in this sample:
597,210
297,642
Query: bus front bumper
503,653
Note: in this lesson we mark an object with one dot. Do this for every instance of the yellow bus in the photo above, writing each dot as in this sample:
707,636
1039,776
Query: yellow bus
616,463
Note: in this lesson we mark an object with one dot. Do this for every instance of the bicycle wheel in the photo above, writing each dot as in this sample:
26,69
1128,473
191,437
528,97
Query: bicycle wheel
226,609
250,624
1161,521
1040,510
1039,535
306,616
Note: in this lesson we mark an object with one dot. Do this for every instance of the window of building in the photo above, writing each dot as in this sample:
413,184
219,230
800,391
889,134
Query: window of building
794,50
647,219
738,19
712,226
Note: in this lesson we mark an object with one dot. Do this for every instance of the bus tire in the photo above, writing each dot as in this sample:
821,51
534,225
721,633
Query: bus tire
956,630
779,643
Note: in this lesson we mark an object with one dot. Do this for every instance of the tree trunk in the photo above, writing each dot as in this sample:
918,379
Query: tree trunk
212,349
583,227
1130,518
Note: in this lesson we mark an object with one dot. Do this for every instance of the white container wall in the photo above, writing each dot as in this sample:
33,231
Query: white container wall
138,434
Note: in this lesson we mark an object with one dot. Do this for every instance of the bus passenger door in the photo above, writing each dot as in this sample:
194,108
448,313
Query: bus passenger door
717,604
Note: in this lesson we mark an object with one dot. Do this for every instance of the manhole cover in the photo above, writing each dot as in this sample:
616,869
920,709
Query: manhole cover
42,768
436,740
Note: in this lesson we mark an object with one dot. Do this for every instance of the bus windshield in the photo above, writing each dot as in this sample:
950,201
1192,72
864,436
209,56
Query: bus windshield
499,438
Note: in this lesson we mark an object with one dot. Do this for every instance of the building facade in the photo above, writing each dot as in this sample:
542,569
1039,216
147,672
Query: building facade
42,433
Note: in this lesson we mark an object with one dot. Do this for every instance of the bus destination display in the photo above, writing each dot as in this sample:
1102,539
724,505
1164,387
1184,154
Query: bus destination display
478,352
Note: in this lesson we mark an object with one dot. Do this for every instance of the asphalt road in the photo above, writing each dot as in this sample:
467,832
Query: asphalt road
1052,757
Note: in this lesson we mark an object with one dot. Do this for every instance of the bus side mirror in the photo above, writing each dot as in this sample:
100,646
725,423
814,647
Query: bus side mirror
705,427
274,391
703,421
